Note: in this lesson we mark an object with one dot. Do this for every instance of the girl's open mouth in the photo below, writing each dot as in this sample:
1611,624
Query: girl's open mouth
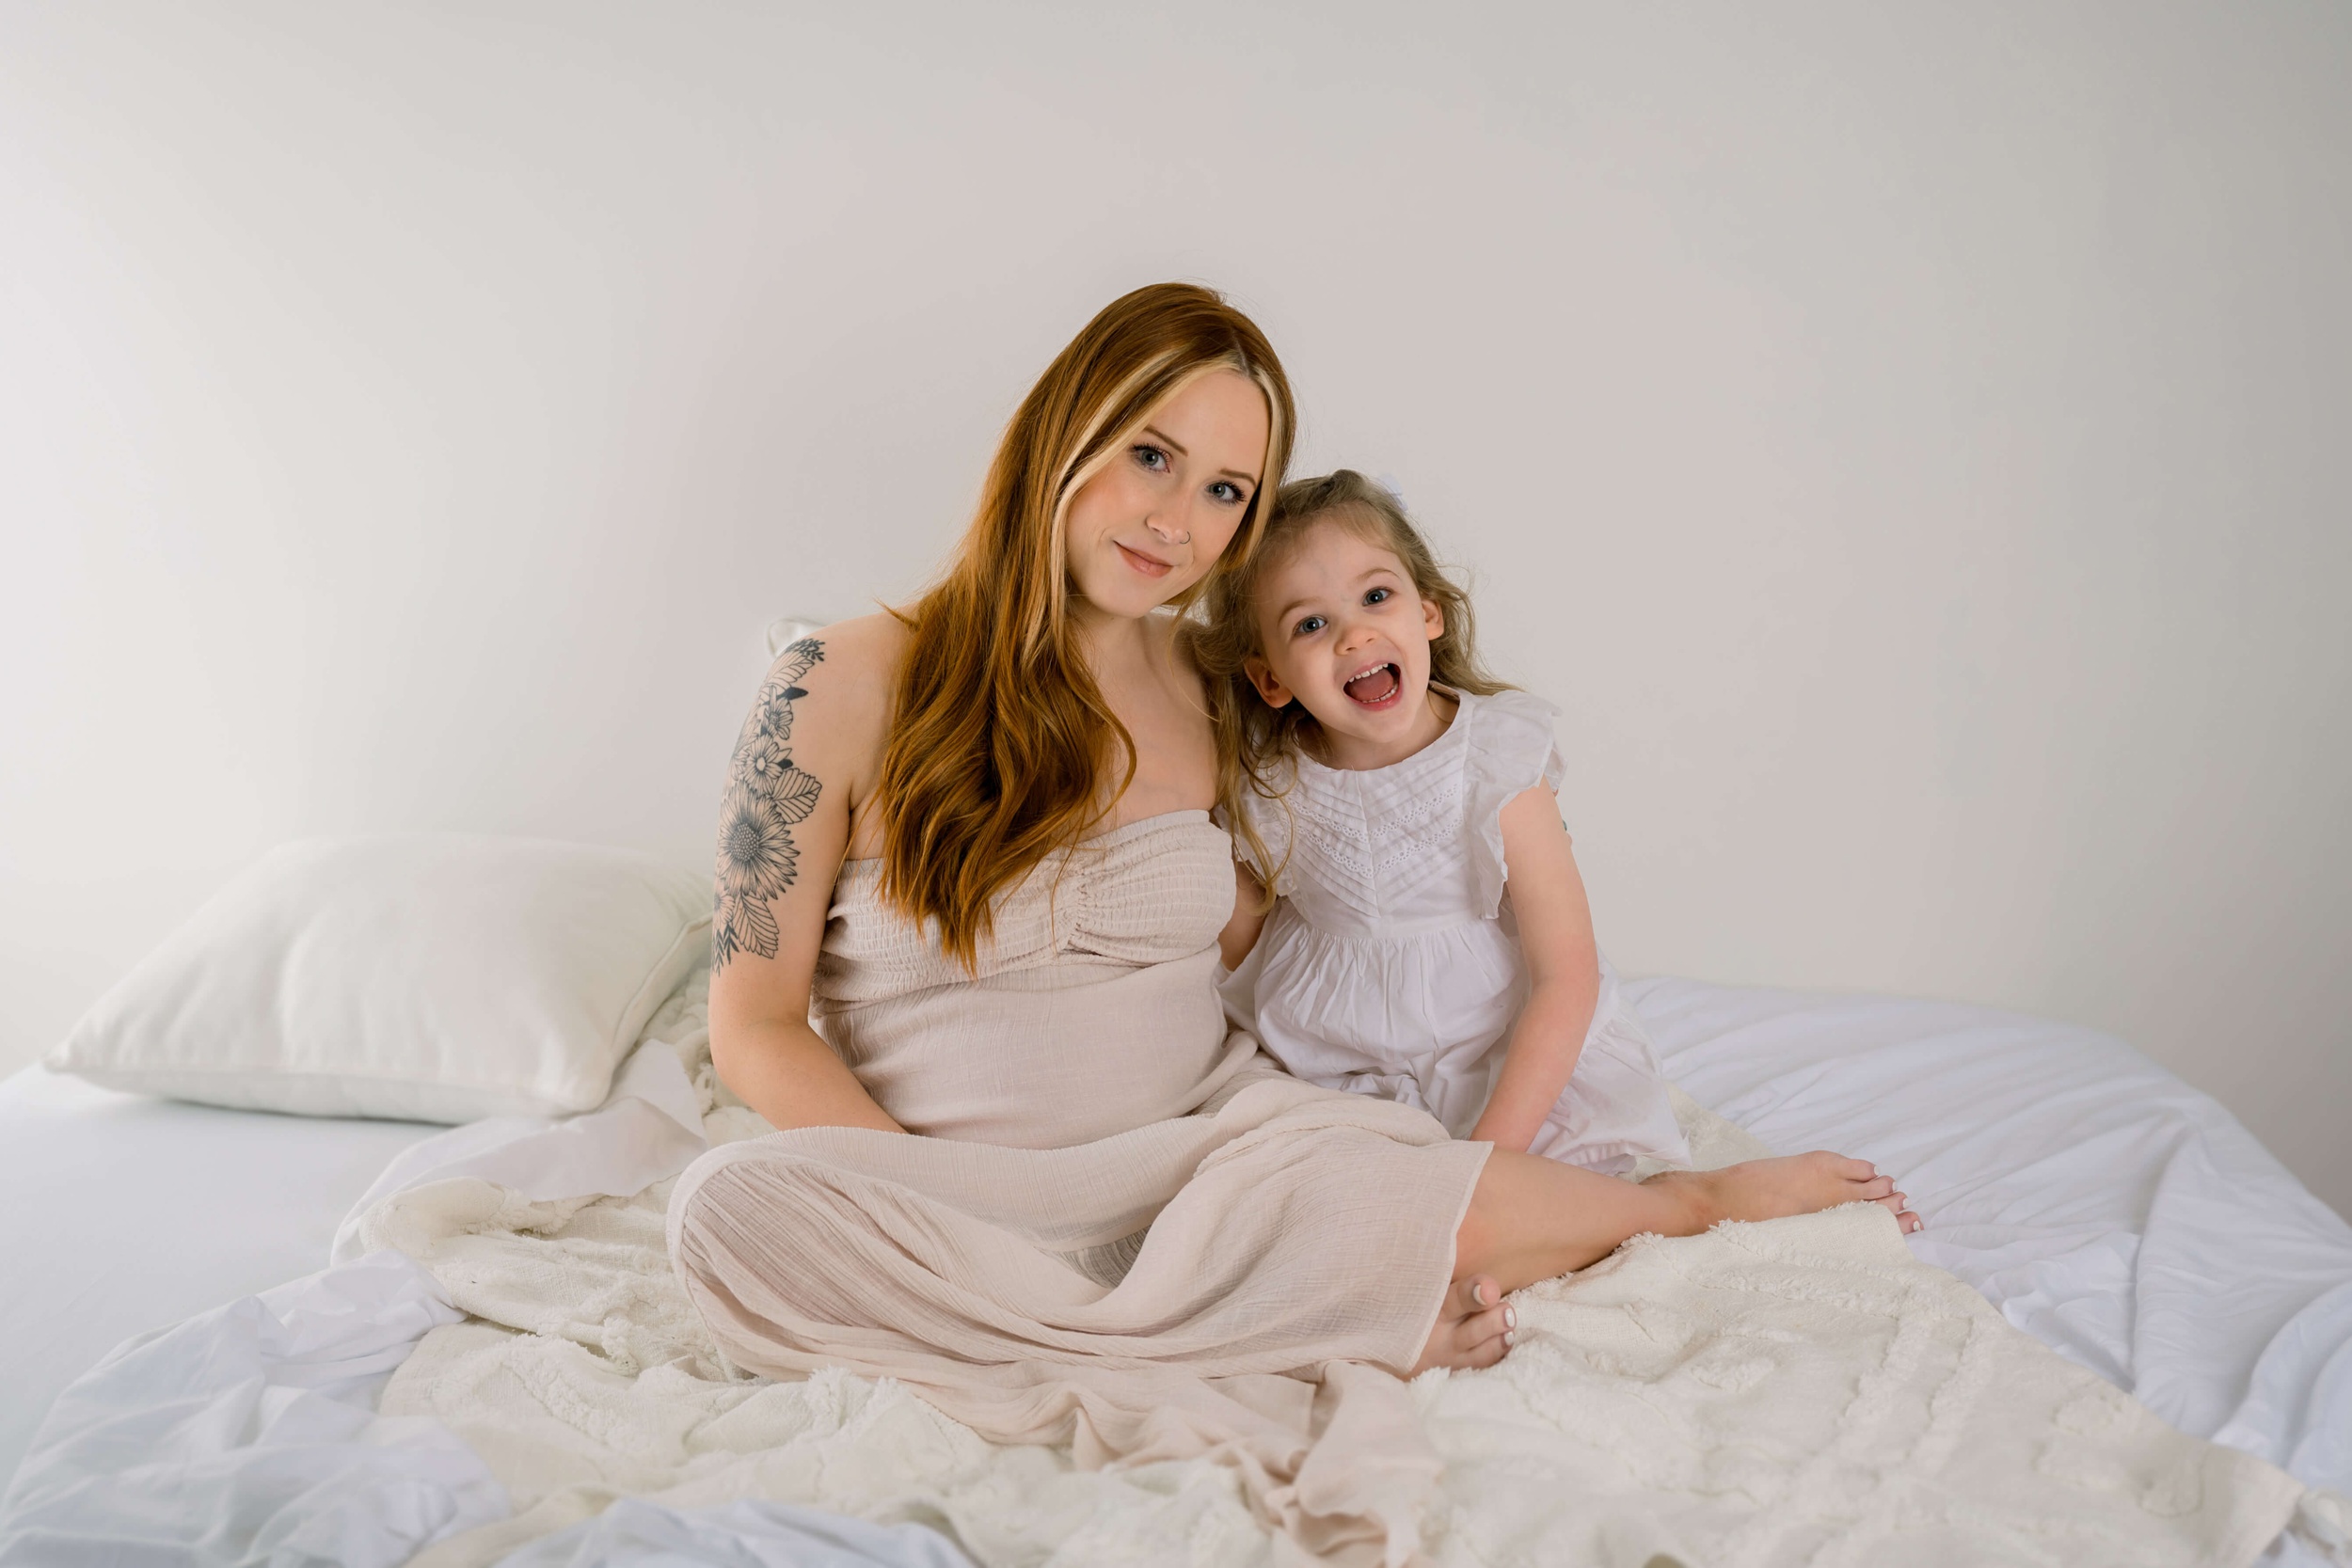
1376,687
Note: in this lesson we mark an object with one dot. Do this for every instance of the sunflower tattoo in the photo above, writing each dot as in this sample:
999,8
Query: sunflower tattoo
766,795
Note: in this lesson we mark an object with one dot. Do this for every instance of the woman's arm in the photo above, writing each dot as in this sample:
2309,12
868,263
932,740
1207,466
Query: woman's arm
1249,912
1562,970
806,758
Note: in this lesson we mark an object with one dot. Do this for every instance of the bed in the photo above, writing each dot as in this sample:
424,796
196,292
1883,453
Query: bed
2102,1205
135,1213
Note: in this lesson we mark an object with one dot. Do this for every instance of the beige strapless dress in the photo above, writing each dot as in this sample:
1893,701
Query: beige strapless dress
1125,1230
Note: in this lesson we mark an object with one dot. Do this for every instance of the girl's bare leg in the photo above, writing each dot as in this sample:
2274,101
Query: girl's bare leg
1532,1218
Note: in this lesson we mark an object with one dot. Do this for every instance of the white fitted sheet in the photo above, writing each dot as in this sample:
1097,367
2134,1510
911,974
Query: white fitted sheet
131,1213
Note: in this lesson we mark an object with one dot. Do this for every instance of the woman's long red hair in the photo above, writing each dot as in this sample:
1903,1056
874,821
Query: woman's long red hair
1002,743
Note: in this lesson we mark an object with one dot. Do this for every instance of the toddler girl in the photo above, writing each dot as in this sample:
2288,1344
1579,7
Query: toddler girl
1391,792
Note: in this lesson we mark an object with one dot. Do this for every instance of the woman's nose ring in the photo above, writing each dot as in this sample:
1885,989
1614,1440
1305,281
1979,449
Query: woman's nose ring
1170,538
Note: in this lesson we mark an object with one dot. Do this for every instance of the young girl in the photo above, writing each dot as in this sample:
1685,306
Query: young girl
1431,942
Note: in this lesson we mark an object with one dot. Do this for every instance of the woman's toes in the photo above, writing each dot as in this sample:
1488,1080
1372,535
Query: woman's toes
1472,1330
1489,1334
1876,1190
1495,1323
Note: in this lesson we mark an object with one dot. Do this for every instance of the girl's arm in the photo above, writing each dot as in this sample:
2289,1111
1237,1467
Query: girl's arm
806,758
1562,970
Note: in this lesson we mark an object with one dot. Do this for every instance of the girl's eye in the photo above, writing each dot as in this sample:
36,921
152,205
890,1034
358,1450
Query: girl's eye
1151,458
1226,492
1379,595
1308,626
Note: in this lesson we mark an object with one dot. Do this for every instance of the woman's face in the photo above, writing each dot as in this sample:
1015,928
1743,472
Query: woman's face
1151,524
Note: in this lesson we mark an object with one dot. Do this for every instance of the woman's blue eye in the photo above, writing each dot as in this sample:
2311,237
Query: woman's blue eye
1151,458
1226,491
1379,594
1308,626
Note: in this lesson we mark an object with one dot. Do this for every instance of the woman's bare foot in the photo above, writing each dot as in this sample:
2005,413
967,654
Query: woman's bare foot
1473,1327
1792,1184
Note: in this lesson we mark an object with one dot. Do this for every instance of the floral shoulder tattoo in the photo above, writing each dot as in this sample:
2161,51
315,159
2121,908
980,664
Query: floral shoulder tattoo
766,795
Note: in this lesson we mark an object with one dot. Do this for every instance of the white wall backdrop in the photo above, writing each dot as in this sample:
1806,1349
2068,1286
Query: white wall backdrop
1908,441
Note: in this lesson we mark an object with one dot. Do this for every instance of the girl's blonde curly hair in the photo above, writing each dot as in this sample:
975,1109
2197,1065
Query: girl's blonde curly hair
1258,746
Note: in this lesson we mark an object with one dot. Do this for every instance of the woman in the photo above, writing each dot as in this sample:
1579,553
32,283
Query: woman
976,836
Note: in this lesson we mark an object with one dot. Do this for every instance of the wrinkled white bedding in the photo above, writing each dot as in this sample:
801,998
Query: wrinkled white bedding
873,1450
2105,1205
127,1215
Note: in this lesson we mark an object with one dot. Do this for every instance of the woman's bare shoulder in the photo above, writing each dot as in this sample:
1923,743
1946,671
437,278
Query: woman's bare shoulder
831,693
861,656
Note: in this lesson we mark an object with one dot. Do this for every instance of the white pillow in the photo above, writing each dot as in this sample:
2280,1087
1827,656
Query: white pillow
434,977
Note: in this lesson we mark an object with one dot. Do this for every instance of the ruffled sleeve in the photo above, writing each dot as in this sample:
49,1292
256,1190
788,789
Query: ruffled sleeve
1511,750
1271,818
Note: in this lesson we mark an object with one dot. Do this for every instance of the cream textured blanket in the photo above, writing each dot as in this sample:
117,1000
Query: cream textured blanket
1801,1391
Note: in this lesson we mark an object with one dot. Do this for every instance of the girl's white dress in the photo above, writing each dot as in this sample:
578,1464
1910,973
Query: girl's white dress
1391,966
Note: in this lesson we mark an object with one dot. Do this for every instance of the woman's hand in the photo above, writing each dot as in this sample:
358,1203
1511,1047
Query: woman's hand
1547,894
1249,912
805,760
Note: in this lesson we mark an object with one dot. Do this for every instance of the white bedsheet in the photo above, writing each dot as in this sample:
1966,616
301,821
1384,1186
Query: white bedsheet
2094,1198
126,1214
2105,1205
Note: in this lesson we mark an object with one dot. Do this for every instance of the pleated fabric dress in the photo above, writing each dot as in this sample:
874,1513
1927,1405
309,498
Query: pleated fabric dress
1392,967
1124,1227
